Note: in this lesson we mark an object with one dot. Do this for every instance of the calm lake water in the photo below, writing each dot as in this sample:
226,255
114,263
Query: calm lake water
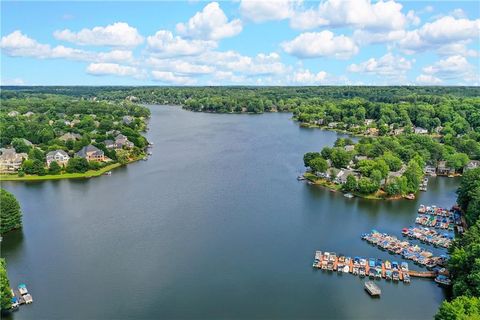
214,225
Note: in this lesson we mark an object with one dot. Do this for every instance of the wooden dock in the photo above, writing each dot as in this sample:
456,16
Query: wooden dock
422,274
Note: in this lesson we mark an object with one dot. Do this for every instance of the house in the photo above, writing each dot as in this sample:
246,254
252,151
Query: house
10,160
127,119
112,132
369,122
333,124
122,141
443,169
91,153
438,130
360,158
28,114
398,131
59,156
349,147
70,136
430,170
319,122
420,130
472,164
74,122
341,177
372,132
109,144
13,113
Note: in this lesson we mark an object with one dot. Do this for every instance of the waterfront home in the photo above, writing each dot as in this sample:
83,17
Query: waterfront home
333,125
443,169
70,136
369,122
372,132
122,141
127,119
59,156
28,114
420,130
341,177
10,160
472,164
430,170
319,122
91,153
398,131
13,113
349,148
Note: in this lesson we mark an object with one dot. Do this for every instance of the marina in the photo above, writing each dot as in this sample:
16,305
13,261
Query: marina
21,297
407,250
429,236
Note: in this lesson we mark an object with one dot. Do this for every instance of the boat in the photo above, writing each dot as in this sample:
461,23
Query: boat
300,178
108,173
410,196
443,280
348,195
22,288
346,269
406,277
372,288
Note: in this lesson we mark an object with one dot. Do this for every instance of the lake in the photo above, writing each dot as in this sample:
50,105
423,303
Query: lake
214,225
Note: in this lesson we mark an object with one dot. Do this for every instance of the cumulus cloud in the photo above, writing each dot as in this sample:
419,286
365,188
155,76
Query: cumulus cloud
305,76
389,65
320,44
103,69
164,43
171,78
260,11
179,66
118,34
453,68
210,24
427,79
12,82
381,15
442,31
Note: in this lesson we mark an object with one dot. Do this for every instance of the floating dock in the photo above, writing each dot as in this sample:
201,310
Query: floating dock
372,288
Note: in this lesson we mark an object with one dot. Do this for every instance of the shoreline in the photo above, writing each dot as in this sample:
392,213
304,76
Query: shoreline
87,175
314,180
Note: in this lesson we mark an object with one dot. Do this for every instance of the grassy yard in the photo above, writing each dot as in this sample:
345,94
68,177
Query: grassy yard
88,174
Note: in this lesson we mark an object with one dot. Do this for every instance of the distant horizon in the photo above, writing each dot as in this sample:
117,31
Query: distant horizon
241,43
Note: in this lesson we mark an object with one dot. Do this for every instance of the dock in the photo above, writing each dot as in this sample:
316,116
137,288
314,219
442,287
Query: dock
22,296
372,288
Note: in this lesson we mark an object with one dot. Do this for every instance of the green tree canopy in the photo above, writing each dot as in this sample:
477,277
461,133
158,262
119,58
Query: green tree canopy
10,214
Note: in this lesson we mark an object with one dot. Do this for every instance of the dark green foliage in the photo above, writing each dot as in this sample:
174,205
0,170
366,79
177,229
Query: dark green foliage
10,214
319,164
309,156
77,164
461,308
340,158
54,168
350,185
34,166
367,185
5,293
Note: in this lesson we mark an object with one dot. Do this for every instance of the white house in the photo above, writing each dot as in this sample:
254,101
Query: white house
420,130
59,156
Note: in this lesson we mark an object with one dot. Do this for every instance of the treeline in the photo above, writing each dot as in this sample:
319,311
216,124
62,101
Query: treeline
464,262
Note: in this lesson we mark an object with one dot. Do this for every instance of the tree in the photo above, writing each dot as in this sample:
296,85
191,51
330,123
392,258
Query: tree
34,166
394,163
413,174
309,156
77,164
5,293
319,165
367,185
461,308
10,214
20,145
457,161
54,168
351,184
340,158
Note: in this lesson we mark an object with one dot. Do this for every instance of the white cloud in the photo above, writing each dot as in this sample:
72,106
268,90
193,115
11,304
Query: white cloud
179,66
13,82
365,37
427,79
381,15
165,44
389,65
320,44
458,13
118,34
171,78
453,68
116,56
308,77
210,24
103,69
442,31
17,44
260,11
457,48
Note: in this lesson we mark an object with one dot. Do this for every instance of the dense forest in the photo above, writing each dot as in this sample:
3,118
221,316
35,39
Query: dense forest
464,262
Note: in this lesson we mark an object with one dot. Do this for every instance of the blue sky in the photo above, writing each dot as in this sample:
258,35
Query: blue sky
243,42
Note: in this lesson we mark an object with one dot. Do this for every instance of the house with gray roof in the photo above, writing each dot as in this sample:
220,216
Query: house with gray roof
59,156
91,153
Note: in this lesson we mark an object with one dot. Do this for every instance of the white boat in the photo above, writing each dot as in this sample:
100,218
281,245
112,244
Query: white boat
348,195
346,269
